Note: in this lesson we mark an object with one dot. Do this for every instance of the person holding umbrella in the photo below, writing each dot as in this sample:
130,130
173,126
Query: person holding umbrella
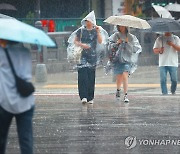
123,47
16,91
12,104
167,47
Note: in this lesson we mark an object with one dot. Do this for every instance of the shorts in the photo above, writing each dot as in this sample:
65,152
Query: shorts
120,68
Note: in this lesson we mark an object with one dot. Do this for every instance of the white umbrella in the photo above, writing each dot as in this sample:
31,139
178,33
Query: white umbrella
162,12
129,21
173,7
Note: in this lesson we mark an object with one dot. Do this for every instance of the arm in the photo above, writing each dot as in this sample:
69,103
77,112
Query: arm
158,50
99,37
175,47
113,42
78,43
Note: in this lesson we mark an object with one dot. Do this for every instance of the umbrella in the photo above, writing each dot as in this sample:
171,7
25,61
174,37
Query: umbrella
14,30
5,6
162,12
129,21
173,7
164,25
4,16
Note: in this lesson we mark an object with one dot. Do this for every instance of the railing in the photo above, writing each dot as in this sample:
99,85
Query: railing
61,23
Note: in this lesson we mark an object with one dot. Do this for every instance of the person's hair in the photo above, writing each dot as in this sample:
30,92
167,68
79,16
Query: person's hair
119,29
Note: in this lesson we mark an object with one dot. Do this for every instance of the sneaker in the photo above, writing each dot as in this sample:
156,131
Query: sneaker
126,100
84,100
91,102
118,94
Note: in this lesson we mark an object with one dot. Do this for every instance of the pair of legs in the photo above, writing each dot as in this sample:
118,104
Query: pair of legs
86,83
122,79
121,71
163,78
24,129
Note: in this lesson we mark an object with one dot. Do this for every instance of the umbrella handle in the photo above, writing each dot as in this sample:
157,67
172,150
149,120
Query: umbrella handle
162,46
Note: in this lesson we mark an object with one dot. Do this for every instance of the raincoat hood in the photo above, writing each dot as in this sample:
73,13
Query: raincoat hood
90,17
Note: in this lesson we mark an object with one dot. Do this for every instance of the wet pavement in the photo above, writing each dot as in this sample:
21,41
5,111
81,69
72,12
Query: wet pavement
148,124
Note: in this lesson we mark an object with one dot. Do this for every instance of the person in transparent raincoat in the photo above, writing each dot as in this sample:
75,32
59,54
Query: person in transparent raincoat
92,39
124,49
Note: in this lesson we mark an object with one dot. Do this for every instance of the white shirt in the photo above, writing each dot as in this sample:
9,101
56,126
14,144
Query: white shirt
10,100
170,56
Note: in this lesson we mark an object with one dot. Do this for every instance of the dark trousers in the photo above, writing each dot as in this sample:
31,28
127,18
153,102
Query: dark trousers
86,83
24,129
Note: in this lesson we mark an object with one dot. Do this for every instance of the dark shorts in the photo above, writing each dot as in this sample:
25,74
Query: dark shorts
120,68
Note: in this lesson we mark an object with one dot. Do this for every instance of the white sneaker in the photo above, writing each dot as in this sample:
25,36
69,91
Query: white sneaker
84,100
91,102
126,100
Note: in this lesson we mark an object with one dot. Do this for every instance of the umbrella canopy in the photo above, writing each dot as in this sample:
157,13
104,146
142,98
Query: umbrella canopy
5,6
4,16
164,25
129,21
162,12
173,7
14,30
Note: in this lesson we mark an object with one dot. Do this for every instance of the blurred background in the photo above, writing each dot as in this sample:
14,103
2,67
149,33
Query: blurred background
59,18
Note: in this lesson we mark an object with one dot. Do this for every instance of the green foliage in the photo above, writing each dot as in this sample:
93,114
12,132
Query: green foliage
141,15
29,18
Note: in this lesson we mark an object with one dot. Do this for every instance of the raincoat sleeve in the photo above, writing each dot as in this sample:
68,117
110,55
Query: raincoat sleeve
101,48
73,36
78,34
71,45
112,45
137,49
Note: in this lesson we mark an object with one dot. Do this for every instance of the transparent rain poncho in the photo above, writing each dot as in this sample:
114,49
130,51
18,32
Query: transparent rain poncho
131,51
75,58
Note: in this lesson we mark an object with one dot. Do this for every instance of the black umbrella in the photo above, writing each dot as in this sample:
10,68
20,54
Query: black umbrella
164,25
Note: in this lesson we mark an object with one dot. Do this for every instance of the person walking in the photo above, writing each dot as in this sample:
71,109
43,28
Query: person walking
123,46
87,38
12,104
167,47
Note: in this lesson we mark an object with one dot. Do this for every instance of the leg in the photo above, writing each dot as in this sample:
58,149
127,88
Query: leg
125,82
163,79
83,83
5,121
173,76
119,81
25,131
91,83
